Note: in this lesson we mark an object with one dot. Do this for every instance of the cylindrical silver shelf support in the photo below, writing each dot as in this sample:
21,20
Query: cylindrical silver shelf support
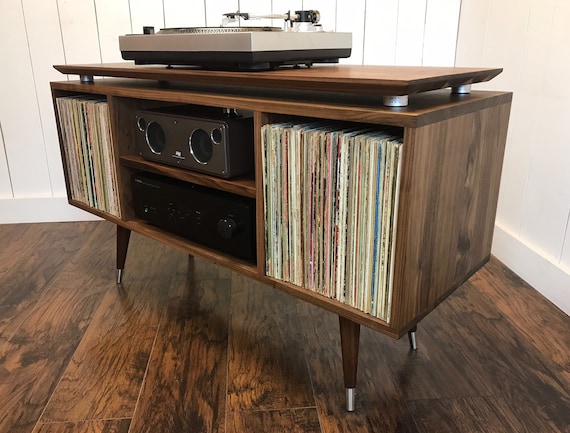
395,101
87,79
461,90
350,399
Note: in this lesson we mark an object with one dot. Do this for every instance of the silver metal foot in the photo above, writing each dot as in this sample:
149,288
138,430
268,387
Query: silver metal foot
395,101
350,399
461,90
86,79
119,276
413,342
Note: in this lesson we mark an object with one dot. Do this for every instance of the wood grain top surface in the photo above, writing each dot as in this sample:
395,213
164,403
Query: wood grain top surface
375,80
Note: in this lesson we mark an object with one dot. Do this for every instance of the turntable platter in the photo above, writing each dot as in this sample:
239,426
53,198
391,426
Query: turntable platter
217,30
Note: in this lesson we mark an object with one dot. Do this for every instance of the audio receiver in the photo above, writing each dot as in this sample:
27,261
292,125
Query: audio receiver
216,219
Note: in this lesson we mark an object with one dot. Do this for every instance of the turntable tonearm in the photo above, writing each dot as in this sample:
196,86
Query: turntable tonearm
301,41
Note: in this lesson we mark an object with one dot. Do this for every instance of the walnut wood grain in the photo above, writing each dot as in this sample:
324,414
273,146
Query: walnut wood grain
349,342
377,80
448,200
123,237
423,109
243,185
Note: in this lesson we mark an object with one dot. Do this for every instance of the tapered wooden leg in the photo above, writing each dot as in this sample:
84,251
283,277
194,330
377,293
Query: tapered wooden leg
349,341
123,236
412,338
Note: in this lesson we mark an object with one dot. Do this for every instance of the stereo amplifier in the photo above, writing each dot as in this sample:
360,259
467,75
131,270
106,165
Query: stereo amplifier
216,219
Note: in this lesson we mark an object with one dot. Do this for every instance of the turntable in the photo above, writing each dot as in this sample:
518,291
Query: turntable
301,42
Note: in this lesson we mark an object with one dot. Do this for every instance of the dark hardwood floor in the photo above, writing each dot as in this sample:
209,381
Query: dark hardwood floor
186,346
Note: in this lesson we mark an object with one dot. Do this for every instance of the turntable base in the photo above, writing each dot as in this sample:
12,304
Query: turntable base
249,48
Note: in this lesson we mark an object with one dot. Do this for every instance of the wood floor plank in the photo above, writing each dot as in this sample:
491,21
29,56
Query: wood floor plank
546,327
106,372
446,373
185,387
30,256
501,359
282,421
380,404
267,367
34,357
472,414
97,426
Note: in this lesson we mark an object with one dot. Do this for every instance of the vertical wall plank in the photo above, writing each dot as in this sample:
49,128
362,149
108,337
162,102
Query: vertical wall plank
546,208
442,21
5,186
257,7
46,49
410,33
327,8
471,33
19,113
216,10
380,32
146,13
113,20
79,31
565,259
350,18
184,13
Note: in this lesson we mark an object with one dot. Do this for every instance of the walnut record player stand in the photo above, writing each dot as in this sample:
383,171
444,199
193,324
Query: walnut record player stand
453,145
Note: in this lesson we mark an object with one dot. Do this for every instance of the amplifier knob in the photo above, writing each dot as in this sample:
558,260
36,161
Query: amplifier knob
227,227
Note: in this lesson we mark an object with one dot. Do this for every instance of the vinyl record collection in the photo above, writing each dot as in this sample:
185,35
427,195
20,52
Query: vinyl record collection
331,200
87,144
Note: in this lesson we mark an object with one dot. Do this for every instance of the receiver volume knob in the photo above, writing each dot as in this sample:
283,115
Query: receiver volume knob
227,227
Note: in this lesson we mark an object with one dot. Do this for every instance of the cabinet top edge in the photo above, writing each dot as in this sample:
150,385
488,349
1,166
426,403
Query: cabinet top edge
355,79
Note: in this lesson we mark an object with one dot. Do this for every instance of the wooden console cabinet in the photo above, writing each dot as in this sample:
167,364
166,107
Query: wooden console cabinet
453,145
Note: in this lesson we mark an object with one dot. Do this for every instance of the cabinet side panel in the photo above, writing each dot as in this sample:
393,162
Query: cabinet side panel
448,202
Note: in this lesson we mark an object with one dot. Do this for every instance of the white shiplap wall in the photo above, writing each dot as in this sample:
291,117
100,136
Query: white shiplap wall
530,40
